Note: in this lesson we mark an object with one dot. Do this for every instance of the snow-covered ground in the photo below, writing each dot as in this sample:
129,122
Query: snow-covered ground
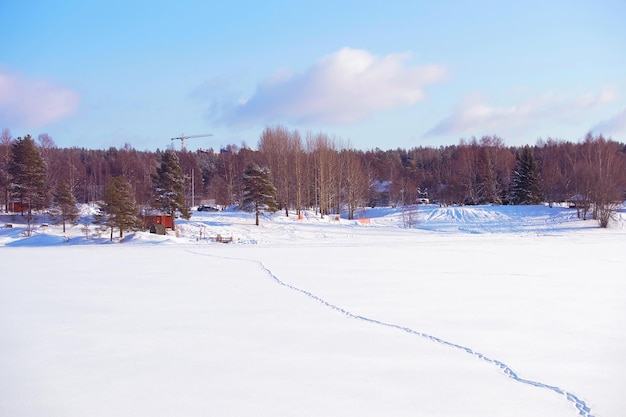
476,311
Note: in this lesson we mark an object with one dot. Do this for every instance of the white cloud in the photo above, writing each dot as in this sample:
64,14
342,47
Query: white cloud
612,126
344,87
475,115
33,103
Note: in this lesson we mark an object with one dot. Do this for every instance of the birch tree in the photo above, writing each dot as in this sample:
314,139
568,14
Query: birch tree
605,166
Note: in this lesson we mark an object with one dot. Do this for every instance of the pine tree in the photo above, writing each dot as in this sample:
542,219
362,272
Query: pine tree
65,204
525,182
119,208
259,194
5,158
169,187
27,171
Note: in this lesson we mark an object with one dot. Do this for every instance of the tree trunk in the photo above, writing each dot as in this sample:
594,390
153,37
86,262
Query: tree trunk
30,220
171,213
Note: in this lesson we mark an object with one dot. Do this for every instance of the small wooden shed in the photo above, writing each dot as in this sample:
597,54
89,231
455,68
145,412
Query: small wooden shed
161,219
16,207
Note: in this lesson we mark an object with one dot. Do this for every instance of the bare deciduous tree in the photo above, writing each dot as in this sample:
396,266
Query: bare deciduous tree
604,163
355,183
556,166
324,169
277,148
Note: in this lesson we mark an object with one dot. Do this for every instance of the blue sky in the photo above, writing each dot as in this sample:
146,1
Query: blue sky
387,75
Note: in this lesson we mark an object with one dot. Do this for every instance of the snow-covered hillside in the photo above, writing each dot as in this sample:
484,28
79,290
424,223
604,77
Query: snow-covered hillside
375,225
476,311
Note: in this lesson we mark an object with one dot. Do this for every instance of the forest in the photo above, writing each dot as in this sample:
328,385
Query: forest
318,171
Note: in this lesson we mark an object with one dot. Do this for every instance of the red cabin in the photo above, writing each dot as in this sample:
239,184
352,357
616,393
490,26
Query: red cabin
164,219
17,207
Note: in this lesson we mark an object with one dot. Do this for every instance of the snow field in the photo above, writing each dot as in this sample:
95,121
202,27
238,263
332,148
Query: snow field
318,319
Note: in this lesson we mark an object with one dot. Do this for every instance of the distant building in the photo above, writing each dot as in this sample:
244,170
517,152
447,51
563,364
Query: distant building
577,201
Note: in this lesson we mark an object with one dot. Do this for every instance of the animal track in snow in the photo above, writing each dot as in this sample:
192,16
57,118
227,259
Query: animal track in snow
583,409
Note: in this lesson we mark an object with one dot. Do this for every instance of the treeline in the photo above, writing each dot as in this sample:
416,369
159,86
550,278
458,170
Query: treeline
318,171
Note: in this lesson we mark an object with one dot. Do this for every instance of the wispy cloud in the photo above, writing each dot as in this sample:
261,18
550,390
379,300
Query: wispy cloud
347,86
33,103
614,125
475,115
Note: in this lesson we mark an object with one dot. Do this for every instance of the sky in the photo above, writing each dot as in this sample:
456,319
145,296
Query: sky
373,75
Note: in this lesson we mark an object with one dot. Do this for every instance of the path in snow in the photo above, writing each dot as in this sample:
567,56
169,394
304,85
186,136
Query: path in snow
582,407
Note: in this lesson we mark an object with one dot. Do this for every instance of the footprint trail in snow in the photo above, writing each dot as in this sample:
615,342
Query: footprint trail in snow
582,407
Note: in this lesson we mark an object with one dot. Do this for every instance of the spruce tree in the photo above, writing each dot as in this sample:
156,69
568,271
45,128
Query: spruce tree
259,194
169,187
64,204
5,158
27,171
525,187
119,208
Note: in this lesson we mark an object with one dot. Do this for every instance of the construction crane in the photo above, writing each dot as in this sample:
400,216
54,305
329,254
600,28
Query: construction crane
182,138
